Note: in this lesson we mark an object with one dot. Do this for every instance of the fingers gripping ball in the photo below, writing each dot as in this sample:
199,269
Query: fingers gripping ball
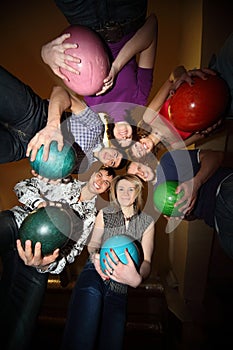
94,65
119,243
165,198
52,226
195,108
59,164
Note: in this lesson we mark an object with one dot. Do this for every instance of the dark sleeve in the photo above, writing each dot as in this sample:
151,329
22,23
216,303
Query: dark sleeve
178,165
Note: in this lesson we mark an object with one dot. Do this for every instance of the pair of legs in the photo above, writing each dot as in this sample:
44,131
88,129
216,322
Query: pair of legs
22,114
21,290
96,316
224,215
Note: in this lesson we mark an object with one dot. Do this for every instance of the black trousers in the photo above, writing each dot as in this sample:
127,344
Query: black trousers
21,290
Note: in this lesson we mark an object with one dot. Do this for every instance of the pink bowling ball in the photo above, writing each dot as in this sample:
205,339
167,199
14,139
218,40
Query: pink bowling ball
94,66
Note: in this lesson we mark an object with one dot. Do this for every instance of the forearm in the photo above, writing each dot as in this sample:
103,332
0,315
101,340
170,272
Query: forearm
160,97
165,90
143,273
60,101
141,40
210,162
145,269
95,241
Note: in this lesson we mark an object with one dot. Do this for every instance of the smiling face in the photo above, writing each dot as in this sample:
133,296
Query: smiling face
99,182
126,193
141,170
147,143
144,146
110,157
123,133
138,150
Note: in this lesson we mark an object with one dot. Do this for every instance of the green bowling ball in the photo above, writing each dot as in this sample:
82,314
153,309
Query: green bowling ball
49,225
165,198
59,164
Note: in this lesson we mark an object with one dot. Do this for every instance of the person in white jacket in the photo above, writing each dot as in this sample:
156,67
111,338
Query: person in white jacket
22,286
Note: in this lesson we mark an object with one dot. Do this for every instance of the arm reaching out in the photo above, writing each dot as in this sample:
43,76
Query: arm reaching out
144,43
60,100
210,162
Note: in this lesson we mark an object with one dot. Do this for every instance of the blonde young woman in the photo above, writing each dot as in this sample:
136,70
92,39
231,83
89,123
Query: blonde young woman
97,312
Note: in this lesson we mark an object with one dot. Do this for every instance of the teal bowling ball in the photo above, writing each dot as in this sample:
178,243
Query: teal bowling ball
119,243
59,164
165,198
49,225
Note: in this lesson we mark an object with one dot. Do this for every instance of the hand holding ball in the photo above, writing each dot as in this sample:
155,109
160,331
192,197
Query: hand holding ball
195,108
165,197
49,225
94,65
119,243
59,164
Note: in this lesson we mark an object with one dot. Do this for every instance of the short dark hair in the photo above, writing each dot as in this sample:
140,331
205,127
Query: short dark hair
124,159
122,163
110,171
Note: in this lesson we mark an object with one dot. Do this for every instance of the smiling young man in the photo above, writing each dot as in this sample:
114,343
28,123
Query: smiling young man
81,199
22,286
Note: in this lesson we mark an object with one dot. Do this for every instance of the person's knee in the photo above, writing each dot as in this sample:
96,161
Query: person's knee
9,231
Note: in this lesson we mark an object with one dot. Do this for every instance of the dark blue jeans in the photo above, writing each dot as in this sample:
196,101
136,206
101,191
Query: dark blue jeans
21,291
22,114
96,316
224,215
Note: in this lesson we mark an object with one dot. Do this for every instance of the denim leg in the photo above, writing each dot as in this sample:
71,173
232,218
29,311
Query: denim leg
96,315
112,330
84,311
21,291
22,114
224,215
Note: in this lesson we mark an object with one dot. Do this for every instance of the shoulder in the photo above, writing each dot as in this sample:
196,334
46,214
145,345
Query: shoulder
78,183
179,154
148,219
179,158
109,210
84,113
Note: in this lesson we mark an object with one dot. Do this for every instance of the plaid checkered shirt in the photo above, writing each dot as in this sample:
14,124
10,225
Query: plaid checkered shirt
88,131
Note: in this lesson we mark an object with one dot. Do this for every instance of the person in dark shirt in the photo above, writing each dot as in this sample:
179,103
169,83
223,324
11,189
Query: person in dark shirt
208,189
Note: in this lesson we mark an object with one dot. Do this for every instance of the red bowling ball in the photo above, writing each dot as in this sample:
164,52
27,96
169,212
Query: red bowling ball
94,65
195,108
